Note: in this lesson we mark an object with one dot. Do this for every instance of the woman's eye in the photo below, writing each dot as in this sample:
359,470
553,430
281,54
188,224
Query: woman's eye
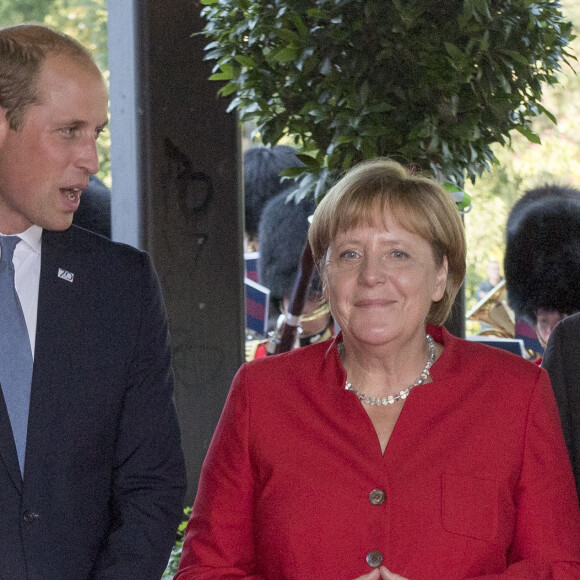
349,255
399,254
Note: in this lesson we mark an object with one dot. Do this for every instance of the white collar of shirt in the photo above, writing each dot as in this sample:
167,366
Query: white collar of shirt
33,238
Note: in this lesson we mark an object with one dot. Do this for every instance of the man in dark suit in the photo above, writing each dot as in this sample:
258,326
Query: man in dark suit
562,361
92,484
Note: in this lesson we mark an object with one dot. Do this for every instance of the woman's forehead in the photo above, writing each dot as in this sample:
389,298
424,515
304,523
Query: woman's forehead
381,215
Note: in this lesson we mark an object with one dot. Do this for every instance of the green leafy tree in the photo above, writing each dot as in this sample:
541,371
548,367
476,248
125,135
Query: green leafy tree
524,165
84,20
17,11
432,83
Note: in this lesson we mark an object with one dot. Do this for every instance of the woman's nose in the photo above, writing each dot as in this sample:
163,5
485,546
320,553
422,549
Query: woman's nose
373,270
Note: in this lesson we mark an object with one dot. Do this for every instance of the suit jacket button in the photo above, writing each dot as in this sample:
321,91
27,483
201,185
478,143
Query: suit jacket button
374,559
29,516
377,496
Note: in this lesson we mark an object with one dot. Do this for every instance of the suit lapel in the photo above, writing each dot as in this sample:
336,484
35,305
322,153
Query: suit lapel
54,341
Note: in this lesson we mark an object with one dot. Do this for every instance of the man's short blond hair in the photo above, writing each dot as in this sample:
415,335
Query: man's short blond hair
23,50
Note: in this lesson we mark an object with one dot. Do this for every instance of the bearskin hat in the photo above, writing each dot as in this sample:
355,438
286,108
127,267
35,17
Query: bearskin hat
542,259
262,181
282,235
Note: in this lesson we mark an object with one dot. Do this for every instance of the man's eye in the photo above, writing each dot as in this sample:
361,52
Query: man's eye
68,131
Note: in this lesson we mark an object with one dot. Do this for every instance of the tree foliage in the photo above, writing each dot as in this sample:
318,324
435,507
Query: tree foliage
524,165
429,82
84,20
16,11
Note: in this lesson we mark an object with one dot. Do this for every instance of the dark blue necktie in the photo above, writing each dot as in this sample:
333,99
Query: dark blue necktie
15,353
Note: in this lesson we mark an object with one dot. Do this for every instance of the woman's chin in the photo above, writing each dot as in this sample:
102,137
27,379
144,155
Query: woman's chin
373,336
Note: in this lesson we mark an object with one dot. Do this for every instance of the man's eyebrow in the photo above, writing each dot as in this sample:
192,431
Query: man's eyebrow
81,123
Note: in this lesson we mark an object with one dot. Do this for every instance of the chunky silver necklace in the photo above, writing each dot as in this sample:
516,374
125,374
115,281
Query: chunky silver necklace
424,376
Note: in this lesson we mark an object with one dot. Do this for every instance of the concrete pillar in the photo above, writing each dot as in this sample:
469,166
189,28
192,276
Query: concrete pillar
176,171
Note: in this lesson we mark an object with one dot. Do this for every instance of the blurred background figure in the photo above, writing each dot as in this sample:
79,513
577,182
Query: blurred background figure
94,211
492,280
562,361
262,182
542,259
281,236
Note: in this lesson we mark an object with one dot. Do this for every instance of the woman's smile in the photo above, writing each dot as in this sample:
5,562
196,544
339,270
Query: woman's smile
373,302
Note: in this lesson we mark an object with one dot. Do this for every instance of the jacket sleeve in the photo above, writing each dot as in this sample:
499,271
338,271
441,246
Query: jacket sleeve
149,479
219,541
546,542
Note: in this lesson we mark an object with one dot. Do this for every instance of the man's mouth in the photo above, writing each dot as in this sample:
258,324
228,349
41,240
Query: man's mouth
73,193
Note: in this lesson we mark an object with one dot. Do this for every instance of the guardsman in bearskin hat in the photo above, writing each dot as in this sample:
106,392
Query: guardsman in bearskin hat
262,182
542,260
282,235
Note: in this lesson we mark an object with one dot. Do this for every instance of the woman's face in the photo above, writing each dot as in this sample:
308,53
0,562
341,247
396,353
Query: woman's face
381,282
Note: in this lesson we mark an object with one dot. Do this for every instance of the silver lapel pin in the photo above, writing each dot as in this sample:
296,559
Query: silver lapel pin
65,275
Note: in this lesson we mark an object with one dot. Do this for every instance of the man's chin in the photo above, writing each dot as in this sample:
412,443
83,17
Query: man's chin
57,225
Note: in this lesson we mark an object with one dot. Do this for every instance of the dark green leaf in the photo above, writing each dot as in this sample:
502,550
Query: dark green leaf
285,54
529,134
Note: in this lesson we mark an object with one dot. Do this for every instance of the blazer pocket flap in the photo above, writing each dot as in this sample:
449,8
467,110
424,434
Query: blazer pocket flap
469,506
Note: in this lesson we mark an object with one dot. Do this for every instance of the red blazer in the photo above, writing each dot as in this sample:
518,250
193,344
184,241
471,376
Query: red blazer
475,479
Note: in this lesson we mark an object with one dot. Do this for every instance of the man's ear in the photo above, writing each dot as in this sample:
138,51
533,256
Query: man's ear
4,125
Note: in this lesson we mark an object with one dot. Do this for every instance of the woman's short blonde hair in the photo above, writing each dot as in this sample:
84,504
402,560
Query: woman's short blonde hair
419,204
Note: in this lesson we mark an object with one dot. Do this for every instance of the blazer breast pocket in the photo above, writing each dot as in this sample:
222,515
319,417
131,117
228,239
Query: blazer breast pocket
470,506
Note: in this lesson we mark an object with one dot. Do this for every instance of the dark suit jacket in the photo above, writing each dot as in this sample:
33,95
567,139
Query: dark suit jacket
562,361
104,476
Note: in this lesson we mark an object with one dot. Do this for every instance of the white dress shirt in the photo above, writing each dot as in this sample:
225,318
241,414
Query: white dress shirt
26,262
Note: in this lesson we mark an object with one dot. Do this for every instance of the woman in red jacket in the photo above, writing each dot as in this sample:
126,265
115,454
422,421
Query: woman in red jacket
396,450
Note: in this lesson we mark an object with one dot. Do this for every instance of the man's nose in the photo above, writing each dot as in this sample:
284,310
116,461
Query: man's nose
88,155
